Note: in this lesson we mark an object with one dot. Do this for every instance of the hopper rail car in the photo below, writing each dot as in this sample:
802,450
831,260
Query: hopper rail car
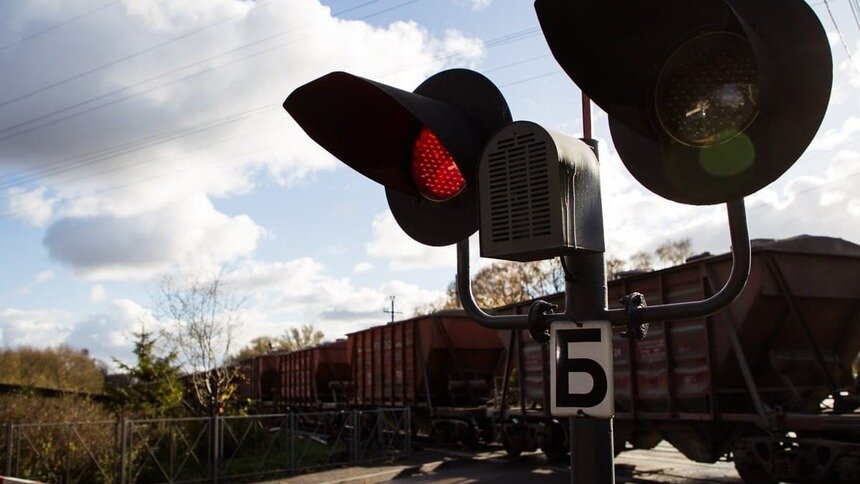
768,381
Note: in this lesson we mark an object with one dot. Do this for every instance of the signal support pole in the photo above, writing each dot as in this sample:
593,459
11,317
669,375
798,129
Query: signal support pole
591,442
592,452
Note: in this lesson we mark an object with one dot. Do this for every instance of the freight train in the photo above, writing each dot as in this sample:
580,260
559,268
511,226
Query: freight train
767,382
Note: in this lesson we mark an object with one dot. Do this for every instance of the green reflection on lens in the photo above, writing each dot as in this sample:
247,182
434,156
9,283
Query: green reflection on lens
728,159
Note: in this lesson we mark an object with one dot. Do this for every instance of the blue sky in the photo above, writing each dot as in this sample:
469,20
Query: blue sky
121,161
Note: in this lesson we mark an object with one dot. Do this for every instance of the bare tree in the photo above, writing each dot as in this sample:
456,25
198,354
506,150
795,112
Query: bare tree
199,318
300,338
674,252
256,347
642,261
449,301
614,267
505,283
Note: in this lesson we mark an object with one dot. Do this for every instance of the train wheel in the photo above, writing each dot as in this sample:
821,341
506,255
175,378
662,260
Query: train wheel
470,442
556,448
511,449
750,469
554,452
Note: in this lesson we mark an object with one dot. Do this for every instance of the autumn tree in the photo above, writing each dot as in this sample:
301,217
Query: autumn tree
62,368
305,336
614,267
674,252
300,338
153,386
642,261
260,345
200,315
449,301
505,283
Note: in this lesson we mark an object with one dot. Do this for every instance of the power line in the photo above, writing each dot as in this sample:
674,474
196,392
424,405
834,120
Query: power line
189,76
132,183
133,55
533,78
150,160
839,34
854,12
808,190
114,187
49,169
131,145
53,168
162,44
56,26
57,169
515,63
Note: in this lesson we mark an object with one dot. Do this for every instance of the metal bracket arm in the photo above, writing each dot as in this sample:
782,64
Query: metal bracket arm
741,258
464,291
733,287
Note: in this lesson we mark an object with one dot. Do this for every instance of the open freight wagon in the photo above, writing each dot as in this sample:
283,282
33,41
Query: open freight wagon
768,379
259,379
441,365
315,378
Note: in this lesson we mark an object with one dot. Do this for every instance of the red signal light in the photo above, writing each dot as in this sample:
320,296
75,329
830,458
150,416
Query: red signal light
436,175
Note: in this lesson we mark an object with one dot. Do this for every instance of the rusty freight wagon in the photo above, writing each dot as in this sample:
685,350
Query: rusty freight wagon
767,380
317,377
259,378
441,365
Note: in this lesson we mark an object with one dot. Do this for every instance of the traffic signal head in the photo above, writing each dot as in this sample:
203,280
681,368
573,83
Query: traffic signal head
423,146
708,100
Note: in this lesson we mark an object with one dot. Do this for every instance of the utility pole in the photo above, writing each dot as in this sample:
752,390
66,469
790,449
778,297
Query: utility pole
391,311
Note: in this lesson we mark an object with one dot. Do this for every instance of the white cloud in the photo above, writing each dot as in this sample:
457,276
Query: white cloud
476,4
186,132
105,335
191,233
97,293
31,206
299,291
109,335
362,267
33,328
835,137
825,203
43,276
389,242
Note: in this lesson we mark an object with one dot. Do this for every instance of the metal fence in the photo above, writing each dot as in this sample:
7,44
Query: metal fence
202,449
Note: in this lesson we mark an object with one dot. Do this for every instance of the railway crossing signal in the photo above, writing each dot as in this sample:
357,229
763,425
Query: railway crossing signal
422,146
708,101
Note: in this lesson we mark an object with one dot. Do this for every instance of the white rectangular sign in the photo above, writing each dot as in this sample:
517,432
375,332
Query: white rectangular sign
581,381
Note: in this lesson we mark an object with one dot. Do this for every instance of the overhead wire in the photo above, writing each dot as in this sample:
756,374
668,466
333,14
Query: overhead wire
111,188
56,26
855,12
104,155
841,37
501,40
171,82
133,55
114,187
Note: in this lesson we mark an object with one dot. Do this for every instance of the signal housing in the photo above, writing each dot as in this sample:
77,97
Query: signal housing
539,195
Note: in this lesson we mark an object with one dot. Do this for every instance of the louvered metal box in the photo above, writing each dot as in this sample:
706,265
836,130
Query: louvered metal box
539,195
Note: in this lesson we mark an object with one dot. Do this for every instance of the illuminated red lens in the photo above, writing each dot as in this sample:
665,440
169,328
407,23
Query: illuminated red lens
434,170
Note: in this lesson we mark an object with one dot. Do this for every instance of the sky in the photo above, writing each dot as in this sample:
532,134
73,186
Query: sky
143,138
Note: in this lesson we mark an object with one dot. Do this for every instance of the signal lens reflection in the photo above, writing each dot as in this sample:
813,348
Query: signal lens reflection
707,92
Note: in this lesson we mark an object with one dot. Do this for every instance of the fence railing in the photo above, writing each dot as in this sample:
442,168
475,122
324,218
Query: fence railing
201,449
